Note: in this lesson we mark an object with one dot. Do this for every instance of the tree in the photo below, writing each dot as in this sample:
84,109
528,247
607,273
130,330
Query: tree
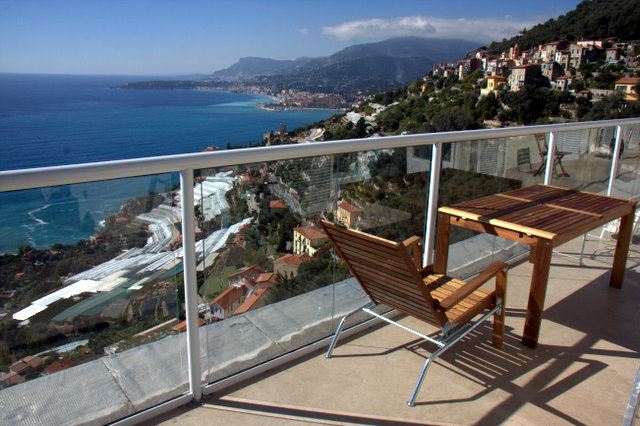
529,104
488,106
583,106
361,128
453,119
390,165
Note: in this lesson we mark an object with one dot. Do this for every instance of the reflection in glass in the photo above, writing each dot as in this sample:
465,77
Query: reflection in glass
96,285
583,159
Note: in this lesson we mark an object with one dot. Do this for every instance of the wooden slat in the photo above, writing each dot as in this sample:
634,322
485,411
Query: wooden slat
371,252
465,317
387,274
490,229
358,242
523,229
375,261
404,288
467,302
613,197
368,237
398,301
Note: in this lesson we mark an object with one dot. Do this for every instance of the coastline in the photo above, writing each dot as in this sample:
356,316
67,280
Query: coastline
279,107
102,131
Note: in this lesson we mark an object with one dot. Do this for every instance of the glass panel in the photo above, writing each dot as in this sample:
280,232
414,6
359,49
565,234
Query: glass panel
383,193
265,281
627,183
583,159
479,168
90,298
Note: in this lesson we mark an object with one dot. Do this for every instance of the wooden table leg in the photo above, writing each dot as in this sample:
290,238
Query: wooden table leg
442,243
622,250
537,292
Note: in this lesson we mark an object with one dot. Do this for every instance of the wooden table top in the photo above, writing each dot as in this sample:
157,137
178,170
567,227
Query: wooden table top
549,212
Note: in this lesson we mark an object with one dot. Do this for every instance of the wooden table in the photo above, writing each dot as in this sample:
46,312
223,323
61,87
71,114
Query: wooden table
542,217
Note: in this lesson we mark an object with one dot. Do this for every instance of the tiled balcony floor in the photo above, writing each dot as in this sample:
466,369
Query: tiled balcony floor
580,373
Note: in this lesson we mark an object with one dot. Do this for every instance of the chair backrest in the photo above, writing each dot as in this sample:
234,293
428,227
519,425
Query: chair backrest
541,142
386,272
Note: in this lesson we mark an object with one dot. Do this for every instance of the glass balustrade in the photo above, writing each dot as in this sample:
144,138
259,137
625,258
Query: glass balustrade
93,296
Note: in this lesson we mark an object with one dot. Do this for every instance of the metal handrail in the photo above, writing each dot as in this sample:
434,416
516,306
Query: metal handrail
13,180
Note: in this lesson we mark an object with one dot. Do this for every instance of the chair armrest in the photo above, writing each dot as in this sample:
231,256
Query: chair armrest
473,284
413,245
411,241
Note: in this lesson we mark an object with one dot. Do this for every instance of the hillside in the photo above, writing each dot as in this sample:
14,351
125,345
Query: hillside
250,67
591,19
369,75
369,67
434,50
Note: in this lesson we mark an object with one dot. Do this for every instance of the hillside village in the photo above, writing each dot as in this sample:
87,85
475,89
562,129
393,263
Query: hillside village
585,67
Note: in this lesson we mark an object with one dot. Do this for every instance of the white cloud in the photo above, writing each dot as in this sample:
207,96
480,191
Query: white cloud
303,31
481,30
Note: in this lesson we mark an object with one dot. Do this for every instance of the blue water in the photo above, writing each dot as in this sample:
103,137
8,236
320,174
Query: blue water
55,120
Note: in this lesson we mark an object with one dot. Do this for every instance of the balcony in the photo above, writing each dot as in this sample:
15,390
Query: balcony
109,328
581,372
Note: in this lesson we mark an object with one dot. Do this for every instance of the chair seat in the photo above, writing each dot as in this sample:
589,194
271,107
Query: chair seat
440,286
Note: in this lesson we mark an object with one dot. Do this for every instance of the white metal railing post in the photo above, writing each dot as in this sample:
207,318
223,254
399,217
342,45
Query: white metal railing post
615,160
431,214
551,159
190,282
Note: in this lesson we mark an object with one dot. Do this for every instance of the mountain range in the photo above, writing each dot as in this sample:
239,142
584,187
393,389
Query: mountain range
366,67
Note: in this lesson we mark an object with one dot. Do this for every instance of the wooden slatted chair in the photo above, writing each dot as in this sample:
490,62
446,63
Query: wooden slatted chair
557,160
390,273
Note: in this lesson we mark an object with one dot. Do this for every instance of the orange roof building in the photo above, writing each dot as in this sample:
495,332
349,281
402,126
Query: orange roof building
266,279
19,366
182,325
11,378
251,302
246,275
33,361
59,365
348,214
277,204
288,265
307,240
228,301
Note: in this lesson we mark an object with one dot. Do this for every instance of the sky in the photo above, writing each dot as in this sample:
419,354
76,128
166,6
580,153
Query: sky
162,37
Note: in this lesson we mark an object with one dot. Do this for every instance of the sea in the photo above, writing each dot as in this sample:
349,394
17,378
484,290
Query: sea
52,120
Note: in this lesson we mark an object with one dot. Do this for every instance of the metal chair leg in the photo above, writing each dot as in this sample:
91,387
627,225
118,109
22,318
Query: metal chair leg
448,342
339,329
335,337
416,388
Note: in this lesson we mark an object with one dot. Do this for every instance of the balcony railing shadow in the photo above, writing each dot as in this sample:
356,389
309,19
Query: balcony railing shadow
595,312
590,330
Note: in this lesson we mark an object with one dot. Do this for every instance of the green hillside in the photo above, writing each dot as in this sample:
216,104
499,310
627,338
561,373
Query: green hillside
591,19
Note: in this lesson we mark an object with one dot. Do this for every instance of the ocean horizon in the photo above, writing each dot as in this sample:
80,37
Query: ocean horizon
50,120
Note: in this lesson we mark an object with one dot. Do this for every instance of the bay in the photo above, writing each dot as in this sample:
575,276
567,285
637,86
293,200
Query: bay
50,120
